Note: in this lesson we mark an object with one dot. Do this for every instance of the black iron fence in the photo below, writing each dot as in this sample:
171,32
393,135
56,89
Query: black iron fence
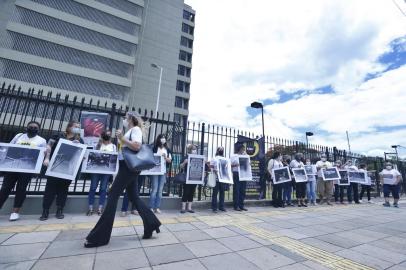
53,112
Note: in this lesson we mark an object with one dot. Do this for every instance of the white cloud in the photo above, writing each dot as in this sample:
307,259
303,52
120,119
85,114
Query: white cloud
249,50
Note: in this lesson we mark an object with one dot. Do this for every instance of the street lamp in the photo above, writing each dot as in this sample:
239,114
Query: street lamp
308,134
159,93
396,151
259,105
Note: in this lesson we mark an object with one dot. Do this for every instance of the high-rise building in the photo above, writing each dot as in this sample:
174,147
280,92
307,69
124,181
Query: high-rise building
108,50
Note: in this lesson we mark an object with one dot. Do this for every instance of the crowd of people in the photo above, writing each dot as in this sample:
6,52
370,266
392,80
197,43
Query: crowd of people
128,183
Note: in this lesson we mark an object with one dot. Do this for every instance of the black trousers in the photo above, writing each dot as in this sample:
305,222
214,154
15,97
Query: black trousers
338,192
352,189
125,179
239,190
366,188
277,191
55,187
301,190
9,181
218,189
188,192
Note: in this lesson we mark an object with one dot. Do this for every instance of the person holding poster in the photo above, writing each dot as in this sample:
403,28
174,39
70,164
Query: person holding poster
56,186
220,187
126,179
275,163
239,187
21,180
338,190
287,186
390,178
311,185
104,145
365,187
324,188
158,181
300,186
188,189
352,189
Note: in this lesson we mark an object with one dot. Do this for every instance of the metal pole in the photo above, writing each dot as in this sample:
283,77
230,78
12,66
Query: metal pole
348,141
307,146
157,100
263,125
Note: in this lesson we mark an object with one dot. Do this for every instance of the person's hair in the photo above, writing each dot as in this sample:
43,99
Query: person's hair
34,122
158,141
362,166
276,155
71,124
218,150
297,155
190,147
105,133
136,119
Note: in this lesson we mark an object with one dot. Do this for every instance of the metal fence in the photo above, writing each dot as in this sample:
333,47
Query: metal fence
53,112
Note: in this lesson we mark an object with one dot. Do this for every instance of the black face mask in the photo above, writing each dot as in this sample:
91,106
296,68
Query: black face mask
106,137
221,153
32,132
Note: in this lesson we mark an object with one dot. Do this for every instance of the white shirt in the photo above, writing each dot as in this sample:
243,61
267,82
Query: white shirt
162,151
108,147
351,168
135,134
274,164
368,178
322,165
389,176
23,139
296,164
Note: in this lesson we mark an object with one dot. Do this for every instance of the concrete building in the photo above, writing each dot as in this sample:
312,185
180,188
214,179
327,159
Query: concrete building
101,49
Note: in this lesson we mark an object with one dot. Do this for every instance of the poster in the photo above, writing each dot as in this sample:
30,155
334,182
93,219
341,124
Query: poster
311,169
360,177
224,171
160,166
21,158
330,174
195,169
93,125
66,160
244,170
100,162
344,178
299,174
281,175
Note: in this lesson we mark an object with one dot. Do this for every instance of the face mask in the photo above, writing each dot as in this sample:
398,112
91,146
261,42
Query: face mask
389,168
308,163
125,123
221,152
163,141
194,152
75,130
280,158
323,159
32,132
106,137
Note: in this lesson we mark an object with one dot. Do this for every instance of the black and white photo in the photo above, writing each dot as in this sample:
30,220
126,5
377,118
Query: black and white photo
160,167
100,162
224,171
244,170
310,169
330,174
66,160
21,158
195,169
343,181
281,175
358,177
299,174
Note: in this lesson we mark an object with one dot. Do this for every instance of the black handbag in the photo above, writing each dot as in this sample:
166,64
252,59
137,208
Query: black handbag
180,178
140,160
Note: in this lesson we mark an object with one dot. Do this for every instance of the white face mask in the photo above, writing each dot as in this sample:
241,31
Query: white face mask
125,123
76,130
308,163
323,159
389,168
163,140
194,152
280,158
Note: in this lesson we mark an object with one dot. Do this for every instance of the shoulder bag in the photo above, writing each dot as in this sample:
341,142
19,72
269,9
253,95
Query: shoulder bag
140,160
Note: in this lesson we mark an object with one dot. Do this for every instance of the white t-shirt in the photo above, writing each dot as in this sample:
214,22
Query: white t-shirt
322,165
351,168
274,164
23,139
108,147
163,150
389,176
135,134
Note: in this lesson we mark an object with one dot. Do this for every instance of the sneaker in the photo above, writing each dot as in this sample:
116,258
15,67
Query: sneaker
386,204
134,212
158,211
244,209
14,216
396,205
123,214
191,211
223,209
214,210
89,212
360,201
182,211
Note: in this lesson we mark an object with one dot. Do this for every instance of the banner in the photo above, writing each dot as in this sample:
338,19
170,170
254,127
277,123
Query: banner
93,124
255,149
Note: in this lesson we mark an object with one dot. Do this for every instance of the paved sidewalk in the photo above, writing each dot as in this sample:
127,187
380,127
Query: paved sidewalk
366,236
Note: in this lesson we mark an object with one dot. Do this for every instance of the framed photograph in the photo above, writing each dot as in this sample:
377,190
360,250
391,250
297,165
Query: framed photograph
66,160
195,169
299,174
100,162
244,170
311,169
159,169
224,171
343,181
281,175
21,158
93,124
358,177
330,174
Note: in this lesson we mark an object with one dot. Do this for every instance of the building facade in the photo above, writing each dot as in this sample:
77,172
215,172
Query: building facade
101,49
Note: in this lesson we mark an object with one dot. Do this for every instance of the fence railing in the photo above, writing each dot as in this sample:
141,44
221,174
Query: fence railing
53,111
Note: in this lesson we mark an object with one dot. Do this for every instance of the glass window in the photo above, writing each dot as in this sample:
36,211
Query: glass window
188,71
179,85
184,41
178,102
183,55
187,29
188,16
181,70
185,104
187,87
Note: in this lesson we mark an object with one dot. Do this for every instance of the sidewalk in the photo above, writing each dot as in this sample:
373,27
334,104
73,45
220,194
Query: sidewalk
366,236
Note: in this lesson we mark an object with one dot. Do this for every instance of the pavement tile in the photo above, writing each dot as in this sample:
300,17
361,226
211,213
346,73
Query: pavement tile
237,230
5,236
206,248
18,265
121,231
32,237
220,232
338,241
237,243
81,262
266,258
288,253
183,265
120,243
314,265
389,245
296,266
321,244
72,235
380,253
364,259
397,267
159,240
167,254
291,234
180,227
121,259
191,236
230,261
66,248
200,225
18,253
262,241
356,235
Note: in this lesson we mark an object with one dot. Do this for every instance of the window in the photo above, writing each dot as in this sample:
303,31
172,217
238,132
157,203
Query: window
179,86
187,29
187,87
185,104
181,70
177,118
185,56
178,102
188,72
188,16
184,41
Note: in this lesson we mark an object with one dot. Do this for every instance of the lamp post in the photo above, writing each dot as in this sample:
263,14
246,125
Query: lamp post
308,134
259,105
159,93
396,151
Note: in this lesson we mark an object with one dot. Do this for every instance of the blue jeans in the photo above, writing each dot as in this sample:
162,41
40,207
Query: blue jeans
287,192
219,188
311,191
95,179
157,186
238,191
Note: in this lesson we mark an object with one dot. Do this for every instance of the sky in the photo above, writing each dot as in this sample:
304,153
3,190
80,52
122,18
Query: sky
322,66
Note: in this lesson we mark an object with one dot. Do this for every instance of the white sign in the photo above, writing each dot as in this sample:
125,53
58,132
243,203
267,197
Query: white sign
330,174
160,167
100,162
299,174
224,171
281,175
244,170
21,158
195,169
343,178
358,177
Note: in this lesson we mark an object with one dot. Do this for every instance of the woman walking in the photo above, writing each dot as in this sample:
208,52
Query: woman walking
126,179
